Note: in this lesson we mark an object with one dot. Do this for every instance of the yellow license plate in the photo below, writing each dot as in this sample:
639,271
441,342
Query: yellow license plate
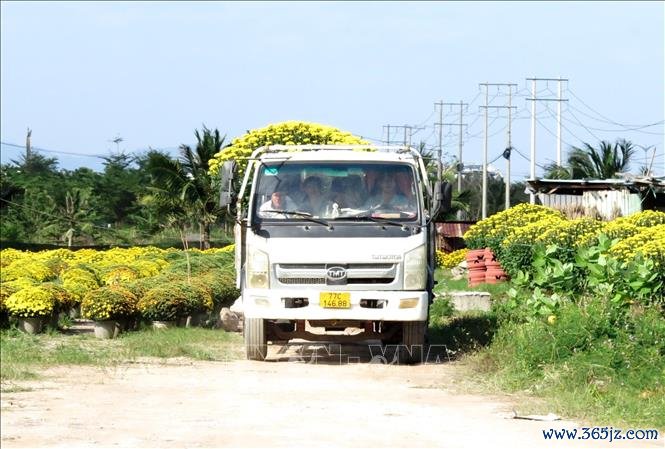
335,300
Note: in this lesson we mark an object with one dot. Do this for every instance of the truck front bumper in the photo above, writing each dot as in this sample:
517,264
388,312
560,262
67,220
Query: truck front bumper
366,305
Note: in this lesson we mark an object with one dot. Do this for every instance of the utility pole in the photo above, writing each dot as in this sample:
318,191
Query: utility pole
388,134
28,147
440,123
408,132
533,99
558,125
509,144
487,107
484,204
461,125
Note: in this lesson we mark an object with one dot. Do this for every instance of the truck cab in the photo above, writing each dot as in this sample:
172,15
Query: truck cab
336,244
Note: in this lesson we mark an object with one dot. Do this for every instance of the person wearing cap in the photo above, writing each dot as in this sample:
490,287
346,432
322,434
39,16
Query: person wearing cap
279,201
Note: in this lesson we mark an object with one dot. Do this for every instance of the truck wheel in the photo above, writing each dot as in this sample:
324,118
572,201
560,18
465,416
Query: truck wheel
256,342
412,349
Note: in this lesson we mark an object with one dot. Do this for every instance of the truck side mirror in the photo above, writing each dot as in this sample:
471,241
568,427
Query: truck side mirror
226,193
443,197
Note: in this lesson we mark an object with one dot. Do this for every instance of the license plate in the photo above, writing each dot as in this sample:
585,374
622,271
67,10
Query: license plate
335,300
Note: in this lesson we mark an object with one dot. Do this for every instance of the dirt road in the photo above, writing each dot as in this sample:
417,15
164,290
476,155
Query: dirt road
287,402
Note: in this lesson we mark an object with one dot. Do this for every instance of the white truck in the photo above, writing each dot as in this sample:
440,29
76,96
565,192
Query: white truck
335,243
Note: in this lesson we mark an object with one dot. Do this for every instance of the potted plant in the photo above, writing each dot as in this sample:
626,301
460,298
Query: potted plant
163,306
106,306
32,306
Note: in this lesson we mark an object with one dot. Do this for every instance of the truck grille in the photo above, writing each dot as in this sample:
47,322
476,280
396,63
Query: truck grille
315,274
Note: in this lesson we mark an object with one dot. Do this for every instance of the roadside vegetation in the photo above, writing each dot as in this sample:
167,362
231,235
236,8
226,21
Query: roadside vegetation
25,357
582,323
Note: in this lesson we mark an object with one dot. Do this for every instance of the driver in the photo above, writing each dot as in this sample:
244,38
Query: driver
279,200
387,196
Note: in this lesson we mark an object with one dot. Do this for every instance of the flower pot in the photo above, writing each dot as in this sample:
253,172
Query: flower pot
75,312
490,259
107,329
475,263
476,277
196,319
31,325
475,259
53,319
163,324
495,275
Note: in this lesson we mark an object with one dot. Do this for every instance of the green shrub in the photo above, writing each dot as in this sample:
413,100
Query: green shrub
163,304
108,303
198,296
223,286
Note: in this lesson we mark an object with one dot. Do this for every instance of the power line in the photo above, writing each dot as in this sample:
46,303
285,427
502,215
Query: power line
23,147
567,129
609,120
72,153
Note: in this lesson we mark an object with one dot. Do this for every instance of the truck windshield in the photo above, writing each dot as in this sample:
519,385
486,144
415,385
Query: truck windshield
336,191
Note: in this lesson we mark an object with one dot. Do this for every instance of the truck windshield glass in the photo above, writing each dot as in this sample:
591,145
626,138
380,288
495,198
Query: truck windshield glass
335,191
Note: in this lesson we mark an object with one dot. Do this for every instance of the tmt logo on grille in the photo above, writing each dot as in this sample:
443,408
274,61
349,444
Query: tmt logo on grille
336,274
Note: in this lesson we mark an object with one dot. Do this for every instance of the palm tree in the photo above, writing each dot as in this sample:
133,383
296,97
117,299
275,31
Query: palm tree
183,187
604,162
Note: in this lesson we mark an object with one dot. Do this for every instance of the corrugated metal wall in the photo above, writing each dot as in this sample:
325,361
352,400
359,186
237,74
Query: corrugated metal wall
612,203
608,203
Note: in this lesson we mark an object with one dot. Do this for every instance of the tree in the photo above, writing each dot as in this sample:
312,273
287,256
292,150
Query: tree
184,186
119,187
604,162
77,214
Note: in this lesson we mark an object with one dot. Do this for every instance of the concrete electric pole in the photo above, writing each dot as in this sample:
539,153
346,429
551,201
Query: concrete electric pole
487,107
533,99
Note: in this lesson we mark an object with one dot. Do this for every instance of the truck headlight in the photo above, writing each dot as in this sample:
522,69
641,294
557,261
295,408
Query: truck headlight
258,269
415,269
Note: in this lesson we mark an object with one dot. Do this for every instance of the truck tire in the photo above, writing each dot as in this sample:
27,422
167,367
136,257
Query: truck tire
256,342
412,349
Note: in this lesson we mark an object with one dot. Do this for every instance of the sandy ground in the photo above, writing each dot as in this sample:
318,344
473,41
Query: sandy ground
289,401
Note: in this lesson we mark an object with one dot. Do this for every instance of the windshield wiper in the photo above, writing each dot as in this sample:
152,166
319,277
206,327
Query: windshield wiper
375,220
306,215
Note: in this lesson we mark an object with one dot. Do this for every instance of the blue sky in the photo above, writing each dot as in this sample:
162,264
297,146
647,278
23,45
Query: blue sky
81,73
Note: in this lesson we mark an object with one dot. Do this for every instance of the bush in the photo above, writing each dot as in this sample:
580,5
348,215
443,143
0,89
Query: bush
78,282
119,274
591,357
28,267
646,218
200,263
198,296
31,302
108,303
223,286
286,133
63,298
163,304
450,260
492,231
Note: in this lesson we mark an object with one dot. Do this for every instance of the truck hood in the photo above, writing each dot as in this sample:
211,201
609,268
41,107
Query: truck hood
337,250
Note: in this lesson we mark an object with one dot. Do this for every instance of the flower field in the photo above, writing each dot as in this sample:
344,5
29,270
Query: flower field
146,282
515,234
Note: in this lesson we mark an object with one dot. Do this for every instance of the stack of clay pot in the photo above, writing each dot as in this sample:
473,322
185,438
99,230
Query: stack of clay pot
493,273
475,263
